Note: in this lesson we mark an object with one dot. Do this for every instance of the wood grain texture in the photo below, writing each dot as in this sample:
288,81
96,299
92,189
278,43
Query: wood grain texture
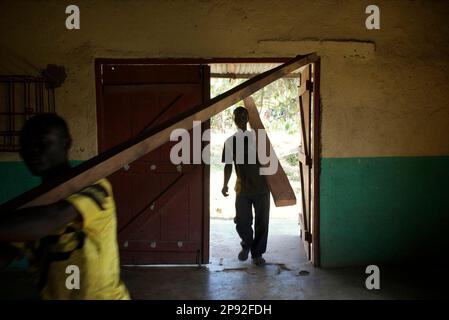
281,190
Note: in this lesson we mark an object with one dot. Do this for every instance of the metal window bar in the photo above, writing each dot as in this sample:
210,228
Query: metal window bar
20,98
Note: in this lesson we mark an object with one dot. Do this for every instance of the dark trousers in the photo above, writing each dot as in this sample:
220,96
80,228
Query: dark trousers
244,220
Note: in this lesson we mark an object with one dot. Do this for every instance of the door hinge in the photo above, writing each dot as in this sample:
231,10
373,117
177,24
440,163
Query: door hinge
308,236
308,161
309,85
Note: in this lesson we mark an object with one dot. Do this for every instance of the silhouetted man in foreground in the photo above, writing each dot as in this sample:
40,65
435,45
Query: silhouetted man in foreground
251,189
74,237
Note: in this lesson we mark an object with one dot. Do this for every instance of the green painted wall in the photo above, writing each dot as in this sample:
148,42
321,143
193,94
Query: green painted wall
15,179
372,210
383,210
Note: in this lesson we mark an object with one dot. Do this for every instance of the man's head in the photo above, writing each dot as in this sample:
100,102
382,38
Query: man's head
44,144
241,117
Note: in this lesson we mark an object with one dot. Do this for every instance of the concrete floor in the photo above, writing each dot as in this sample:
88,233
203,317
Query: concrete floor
227,278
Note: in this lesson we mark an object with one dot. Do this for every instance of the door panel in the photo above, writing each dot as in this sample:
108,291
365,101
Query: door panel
305,165
160,208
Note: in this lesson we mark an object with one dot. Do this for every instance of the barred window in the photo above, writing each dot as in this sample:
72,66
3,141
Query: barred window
20,98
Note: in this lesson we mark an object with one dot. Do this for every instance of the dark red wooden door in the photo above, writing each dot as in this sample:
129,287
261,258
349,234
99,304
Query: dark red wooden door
162,208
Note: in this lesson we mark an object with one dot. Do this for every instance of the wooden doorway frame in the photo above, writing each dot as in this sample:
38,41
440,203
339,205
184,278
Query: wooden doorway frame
315,221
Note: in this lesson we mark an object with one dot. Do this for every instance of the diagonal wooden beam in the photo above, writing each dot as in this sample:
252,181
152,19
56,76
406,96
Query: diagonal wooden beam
115,158
281,190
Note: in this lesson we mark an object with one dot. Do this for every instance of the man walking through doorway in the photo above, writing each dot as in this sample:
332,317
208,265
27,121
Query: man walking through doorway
251,189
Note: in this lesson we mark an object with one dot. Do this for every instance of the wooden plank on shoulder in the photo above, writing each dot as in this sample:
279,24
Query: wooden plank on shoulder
281,190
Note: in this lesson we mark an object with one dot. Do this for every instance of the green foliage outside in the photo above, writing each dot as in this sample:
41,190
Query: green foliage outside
293,159
277,103
278,107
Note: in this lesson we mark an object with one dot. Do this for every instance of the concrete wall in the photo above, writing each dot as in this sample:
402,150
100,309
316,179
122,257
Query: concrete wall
385,114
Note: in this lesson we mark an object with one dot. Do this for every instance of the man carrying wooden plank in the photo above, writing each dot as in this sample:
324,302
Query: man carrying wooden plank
115,158
251,189
72,242
69,182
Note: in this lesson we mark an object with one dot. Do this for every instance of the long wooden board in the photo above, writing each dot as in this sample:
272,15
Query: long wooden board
115,158
281,190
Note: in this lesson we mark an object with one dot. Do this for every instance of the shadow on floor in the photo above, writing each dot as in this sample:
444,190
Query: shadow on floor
287,275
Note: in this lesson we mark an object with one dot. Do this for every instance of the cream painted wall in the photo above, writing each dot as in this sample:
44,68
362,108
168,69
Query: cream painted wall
384,92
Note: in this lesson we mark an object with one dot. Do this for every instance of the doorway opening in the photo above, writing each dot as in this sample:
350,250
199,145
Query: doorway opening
163,210
278,106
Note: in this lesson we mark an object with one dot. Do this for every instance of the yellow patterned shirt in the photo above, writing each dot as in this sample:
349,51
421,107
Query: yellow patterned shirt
81,261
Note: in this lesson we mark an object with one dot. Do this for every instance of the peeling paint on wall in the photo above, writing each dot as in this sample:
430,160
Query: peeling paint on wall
384,92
